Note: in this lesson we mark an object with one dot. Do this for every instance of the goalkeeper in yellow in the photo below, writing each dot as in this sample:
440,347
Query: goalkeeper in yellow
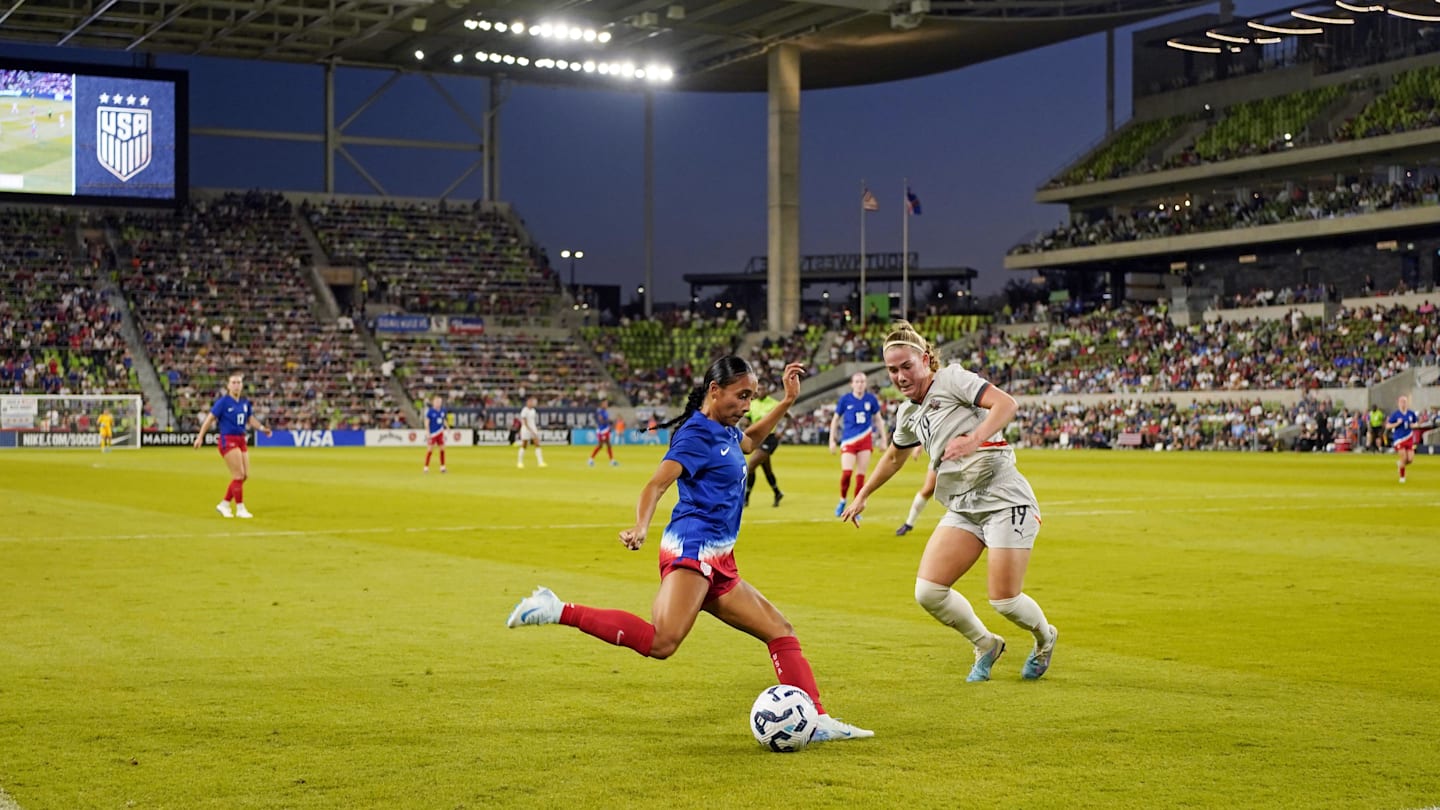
107,430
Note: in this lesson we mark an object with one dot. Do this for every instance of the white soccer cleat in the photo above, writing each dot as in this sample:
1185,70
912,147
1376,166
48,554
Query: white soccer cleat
425,470
540,607
520,465
224,509
242,512
828,729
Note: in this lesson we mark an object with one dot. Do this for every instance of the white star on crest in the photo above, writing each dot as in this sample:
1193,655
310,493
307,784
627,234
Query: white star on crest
144,101
104,98
129,99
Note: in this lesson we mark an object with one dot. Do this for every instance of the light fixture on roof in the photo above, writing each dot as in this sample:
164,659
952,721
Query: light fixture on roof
1412,16
602,37
517,27
1282,29
419,56
457,58
1193,48
1358,9
1268,40
1322,19
1224,37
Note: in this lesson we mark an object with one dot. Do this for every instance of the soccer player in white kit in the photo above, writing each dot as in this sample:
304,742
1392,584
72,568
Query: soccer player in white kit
529,433
959,418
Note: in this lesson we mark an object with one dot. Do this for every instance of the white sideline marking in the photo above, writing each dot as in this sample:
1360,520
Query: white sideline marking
7,803
616,526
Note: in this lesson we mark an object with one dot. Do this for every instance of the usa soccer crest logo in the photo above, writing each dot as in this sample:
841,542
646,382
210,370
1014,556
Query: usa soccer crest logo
122,138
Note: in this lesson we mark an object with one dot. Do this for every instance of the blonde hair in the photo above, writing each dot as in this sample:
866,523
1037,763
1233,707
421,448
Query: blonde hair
904,334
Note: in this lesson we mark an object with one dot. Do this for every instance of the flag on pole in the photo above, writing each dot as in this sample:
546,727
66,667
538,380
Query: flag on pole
868,202
912,203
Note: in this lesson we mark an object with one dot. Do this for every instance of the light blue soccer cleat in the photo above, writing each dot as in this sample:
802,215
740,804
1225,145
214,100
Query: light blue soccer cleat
540,607
984,660
1039,659
828,729
840,508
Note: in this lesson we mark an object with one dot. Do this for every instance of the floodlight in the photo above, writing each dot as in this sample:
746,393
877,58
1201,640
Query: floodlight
603,37
518,27
565,254
562,64
576,33
470,25
640,74
589,67
590,35
603,67
485,25
508,59
501,27
579,254
481,56
419,56
457,58
522,61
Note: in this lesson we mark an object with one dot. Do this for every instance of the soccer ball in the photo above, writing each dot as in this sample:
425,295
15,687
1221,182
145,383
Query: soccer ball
783,719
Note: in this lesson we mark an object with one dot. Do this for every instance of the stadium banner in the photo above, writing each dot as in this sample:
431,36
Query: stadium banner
407,437
569,417
18,412
586,436
500,438
183,439
466,326
312,438
402,323
61,439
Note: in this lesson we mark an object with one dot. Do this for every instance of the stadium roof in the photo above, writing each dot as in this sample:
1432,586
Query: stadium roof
715,45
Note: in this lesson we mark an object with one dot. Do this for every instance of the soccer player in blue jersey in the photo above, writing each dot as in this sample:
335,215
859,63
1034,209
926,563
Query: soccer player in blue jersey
435,419
697,564
603,428
1401,425
853,429
233,413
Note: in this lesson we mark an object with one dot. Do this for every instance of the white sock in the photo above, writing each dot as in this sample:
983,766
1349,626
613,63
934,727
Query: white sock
539,456
1025,612
520,457
916,507
952,610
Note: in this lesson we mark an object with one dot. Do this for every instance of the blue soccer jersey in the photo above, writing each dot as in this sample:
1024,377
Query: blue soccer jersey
231,415
1404,422
435,417
602,419
706,520
857,415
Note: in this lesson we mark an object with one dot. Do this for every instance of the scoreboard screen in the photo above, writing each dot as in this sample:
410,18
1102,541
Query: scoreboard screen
93,133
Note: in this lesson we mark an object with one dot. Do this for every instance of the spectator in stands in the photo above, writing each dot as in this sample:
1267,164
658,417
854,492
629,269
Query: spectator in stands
960,418
697,563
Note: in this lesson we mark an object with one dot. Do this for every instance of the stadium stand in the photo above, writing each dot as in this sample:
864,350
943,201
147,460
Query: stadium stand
219,287
481,372
60,334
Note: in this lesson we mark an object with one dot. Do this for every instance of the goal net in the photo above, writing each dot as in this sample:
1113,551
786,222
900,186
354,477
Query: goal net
68,421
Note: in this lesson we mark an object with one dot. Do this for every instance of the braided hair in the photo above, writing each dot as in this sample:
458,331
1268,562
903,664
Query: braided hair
721,372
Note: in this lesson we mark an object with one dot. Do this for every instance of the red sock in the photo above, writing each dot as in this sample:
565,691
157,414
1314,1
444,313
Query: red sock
595,452
610,452
427,458
230,491
239,491
611,626
844,482
859,483
442,457
792,669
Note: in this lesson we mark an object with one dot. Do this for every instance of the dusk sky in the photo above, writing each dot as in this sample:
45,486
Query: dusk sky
975,144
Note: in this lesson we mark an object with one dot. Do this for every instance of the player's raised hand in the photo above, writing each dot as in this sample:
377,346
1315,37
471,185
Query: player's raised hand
791,377
632,539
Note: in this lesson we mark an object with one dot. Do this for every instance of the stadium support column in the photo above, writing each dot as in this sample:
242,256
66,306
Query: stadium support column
1109,82
492,141
649,203
783,169
332,135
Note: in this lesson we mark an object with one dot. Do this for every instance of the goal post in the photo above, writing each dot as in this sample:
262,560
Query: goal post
68,420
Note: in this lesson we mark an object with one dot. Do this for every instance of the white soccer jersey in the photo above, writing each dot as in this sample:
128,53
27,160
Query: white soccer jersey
529,423
984,479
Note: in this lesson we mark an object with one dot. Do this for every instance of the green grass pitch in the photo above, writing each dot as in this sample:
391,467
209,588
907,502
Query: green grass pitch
1236,631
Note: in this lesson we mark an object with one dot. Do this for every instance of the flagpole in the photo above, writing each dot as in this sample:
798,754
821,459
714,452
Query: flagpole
905,250
862,255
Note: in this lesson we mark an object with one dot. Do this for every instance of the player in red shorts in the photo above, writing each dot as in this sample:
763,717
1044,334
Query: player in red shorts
853,429
435,417
1401,425
234,414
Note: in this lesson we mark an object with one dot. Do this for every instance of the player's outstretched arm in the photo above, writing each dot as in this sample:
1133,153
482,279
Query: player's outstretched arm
885,469
756,433
204,428
668,473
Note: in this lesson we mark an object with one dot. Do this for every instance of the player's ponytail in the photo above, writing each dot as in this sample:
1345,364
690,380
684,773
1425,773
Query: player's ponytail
722,372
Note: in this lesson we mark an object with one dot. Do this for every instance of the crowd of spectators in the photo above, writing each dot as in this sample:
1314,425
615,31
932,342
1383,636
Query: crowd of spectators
37,83
1260,208
1133,349
58,332
657,361
486,371
220,287
434,258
